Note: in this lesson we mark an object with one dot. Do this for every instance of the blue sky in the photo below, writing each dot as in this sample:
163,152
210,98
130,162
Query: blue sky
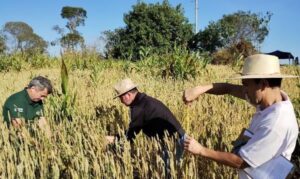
103,15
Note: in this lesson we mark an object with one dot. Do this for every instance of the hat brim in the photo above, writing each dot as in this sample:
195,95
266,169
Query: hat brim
262,76
125,92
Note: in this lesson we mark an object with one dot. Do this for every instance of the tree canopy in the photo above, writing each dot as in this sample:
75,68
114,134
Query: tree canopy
154,28
76,16
26,39
231,30
2,44
70,40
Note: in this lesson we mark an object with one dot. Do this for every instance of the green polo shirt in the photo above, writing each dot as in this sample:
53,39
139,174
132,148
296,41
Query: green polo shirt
19,105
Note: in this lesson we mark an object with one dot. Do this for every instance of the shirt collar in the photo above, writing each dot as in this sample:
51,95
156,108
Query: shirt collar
139,96
285,99
28,99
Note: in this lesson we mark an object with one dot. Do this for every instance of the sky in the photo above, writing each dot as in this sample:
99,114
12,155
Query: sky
102,15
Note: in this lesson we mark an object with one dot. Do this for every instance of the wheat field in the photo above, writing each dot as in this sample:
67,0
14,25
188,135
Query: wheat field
77,148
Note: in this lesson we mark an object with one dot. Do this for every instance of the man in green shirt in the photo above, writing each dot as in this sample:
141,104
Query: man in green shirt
28,103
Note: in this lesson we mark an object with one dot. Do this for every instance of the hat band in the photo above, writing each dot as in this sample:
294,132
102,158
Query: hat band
260,73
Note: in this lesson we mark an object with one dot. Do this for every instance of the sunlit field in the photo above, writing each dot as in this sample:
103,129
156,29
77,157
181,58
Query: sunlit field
80,121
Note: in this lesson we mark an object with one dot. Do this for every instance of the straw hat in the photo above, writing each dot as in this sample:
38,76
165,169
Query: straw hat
124,86
262,66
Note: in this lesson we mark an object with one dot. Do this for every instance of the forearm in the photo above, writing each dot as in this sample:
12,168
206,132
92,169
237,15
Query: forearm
225,158
214,88
219,88
198,90
227,88
191,94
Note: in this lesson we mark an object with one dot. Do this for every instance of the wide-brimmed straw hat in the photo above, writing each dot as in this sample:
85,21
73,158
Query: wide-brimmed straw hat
124,86
261,66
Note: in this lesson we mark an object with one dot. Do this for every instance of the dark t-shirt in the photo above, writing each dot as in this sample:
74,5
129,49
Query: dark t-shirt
19,105
152,117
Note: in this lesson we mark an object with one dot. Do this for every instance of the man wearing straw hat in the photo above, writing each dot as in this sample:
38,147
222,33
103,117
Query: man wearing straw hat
273,130
148,115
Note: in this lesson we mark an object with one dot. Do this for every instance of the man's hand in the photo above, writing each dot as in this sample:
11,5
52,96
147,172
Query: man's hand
110,139
191,94
17,122
42,123
192,146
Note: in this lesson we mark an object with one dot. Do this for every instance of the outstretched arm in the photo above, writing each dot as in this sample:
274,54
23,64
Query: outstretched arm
191,94
225,158
130,135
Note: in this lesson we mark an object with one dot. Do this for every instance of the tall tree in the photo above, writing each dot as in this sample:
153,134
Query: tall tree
71,40
35,44
26,39
231,30
152,27
2,44
76,16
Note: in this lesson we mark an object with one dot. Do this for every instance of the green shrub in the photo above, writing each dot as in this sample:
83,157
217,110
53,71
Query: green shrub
178,65
10,62
234,54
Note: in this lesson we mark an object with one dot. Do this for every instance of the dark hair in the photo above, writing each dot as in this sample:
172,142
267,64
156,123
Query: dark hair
273,82
42,83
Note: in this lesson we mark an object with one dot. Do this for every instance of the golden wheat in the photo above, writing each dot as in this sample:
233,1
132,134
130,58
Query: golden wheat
77,148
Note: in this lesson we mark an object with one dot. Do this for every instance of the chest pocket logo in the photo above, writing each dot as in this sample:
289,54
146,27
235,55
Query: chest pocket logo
38,113
19,110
